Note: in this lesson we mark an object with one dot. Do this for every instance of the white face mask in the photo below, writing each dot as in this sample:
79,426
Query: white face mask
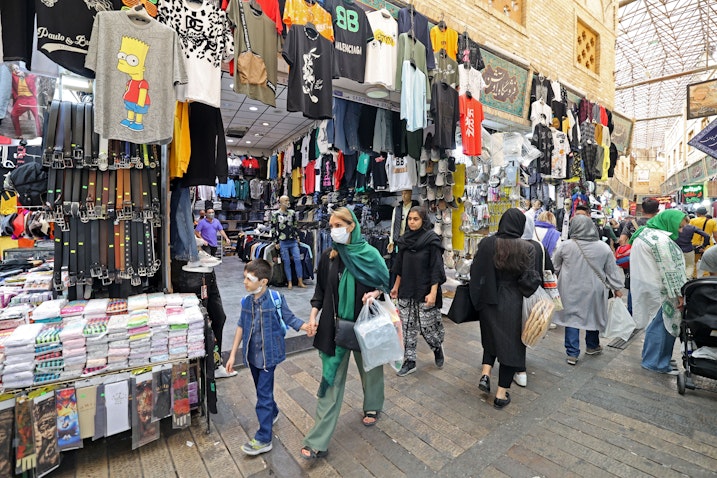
340,235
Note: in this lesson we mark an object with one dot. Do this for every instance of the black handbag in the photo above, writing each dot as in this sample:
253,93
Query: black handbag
344,334
462,309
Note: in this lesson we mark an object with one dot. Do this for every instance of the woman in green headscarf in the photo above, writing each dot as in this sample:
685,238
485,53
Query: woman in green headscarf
349,274
657,274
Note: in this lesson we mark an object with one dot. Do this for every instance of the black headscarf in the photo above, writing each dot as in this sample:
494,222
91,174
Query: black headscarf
423,237
512,224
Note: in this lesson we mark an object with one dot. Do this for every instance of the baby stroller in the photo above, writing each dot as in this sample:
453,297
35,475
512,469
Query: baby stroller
698,329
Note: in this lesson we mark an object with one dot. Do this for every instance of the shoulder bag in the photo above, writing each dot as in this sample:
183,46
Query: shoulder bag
597,273
705,242
250,67
462,309
550,284
344,334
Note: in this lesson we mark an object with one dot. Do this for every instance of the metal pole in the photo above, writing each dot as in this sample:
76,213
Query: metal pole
164,212
665,78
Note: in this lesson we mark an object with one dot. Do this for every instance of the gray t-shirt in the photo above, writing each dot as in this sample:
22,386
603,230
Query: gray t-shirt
137,67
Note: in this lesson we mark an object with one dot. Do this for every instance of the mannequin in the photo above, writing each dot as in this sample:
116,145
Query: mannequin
286,236
398,219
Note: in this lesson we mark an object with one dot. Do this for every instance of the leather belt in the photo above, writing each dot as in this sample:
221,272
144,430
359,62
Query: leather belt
109,199
82,200
91,194
119,196
137,241
136,193
126,194
109,274
48,143
95,267
88,159
63,141
76,194
67,194
72,265
57,272
118,246
78,127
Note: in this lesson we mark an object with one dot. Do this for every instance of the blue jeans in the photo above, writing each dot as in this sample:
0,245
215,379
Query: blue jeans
266,408
290,248
572,340
629,301
657,349
183,246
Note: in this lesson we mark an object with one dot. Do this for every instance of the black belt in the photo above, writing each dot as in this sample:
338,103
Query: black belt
82,200
76,194
57,272
51,179
137,240
88,158
91,194
78,126
95,268
63,141
112,190
109,274
136,193
74,231
48,143
66,193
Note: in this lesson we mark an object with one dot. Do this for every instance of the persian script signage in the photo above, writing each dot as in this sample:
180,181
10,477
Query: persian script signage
693,194
507,85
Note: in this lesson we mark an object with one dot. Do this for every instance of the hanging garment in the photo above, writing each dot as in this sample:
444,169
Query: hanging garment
382,51
352,33
419,26
471,117
446,39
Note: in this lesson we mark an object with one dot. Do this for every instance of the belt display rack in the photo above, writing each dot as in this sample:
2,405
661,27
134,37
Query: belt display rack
105,206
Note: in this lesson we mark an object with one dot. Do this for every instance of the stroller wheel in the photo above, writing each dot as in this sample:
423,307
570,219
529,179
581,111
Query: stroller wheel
681,383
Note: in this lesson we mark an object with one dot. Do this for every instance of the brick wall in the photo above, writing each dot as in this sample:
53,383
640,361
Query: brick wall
547,38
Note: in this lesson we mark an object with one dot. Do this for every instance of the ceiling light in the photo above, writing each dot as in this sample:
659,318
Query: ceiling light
257,134
247,142
253,108
230,141
265,123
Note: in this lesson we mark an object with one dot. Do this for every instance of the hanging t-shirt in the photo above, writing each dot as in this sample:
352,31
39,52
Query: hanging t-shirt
310,178
352,32
413,97
134,96
470,79
469,52
446,70
445,40
445,112
311,63
381,52
298,12
540,113
264,42
401,172
411,50
66,42
471,114
270,9
206,41
378,173
561,148
18,19
419,24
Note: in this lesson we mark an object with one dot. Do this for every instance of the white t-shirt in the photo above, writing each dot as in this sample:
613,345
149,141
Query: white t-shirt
206,41
470,79
382,51
305,151
561,148
540,112
401,172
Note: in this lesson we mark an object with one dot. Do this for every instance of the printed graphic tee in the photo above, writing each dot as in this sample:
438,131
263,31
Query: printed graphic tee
66,42
471,114
352,33
382,51
137,68
298,12
445,40
206,41
310,59
401,172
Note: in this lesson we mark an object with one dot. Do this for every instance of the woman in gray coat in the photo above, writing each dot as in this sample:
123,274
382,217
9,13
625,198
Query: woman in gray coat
586,274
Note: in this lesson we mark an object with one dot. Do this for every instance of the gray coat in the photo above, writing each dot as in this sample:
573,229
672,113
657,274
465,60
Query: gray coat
583,294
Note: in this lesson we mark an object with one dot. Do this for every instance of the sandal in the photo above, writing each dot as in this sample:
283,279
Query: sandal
372,416
308,453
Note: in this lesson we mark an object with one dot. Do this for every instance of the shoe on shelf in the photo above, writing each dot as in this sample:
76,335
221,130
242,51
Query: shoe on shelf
484,384
438,354
197,266
221,372
254,447
572,360
521,379
208,259
501,403
409,367
595,351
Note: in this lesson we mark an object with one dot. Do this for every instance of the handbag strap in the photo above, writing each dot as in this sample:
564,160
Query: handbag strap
592,267
243,26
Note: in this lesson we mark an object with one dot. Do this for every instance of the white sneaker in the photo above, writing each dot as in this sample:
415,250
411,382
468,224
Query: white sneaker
208,259
197,266
221,372
521,379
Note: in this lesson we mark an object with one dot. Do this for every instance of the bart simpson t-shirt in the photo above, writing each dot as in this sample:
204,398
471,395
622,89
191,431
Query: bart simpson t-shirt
137,67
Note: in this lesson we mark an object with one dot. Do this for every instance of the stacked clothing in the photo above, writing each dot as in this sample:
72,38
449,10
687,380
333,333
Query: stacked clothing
156,299
73,308
178,327
49,363
14,316
118,342
95,333
20,356
189,300
174,300
117,306
159,345
96,308
49,312
4,335
139,335
74,350
137,302
195,332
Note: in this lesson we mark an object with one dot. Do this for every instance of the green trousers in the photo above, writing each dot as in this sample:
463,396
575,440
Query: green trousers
328,407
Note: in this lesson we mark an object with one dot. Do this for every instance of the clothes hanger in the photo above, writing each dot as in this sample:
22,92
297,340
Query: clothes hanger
310,28
442,24
139,13
254,5
469,95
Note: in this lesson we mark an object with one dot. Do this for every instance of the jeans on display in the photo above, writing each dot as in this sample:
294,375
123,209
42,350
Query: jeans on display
572,340
290,250
266,408
183,246
657,349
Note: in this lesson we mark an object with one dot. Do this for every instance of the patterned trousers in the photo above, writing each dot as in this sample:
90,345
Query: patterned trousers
415,316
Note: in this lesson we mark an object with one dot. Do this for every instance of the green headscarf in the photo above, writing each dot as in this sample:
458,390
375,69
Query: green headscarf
363,263
668,220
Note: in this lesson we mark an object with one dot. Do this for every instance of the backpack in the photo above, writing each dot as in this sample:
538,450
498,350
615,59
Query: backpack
276,297
30,183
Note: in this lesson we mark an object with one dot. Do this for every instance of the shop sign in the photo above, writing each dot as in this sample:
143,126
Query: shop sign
697,172
664,199
711,163
702,99
693,194
706,140
507,85
621,136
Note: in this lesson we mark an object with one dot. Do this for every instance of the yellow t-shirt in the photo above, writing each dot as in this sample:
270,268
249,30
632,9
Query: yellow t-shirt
446,40
709,228
181,149
297,12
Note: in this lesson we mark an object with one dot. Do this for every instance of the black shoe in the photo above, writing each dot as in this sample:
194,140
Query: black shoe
438,354
502,402
484,384
408,367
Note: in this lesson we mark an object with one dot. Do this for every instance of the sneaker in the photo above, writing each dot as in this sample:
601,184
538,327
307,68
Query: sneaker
572,360
408,368
208,259
521,379
221,372
484,384
254,447
438,354
276,419
197,267
595,351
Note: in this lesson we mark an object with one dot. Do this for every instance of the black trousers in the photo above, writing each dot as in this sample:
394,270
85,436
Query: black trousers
505,372
211,250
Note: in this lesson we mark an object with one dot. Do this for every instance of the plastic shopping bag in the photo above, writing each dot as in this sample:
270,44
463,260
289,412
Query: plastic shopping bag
537,314
620,323
392,310
377,336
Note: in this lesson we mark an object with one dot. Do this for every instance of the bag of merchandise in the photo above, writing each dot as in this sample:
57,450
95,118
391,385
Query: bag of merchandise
537,314
378,335
620,323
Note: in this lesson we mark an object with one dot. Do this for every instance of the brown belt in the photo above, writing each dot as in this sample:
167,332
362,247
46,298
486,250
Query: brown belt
120,190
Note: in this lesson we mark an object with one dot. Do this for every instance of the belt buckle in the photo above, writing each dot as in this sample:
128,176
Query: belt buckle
78,154
57,284
148,215
142,271
90,210
58,160
67,161
107,280
125,162
72,280
135,280
47,159
102,163
75,209
67,208
84,216
96,271
127,211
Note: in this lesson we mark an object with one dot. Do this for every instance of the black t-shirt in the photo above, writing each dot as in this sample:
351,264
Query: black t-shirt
367,121
378,171
18,17
351,34
444,108
310,57
66,42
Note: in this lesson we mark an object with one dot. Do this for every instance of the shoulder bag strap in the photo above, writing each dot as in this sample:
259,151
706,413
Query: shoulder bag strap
244,27
593,267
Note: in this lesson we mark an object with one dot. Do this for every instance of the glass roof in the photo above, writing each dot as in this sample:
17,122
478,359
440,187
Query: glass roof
662,46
